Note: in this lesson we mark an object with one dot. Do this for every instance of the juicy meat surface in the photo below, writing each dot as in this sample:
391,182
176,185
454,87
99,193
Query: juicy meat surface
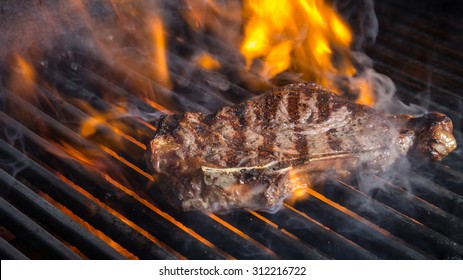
248,155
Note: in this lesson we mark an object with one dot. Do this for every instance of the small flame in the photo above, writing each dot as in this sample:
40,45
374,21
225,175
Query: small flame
365,92
22,81
161,69
301,184
26,69
87,157
207,61
109,120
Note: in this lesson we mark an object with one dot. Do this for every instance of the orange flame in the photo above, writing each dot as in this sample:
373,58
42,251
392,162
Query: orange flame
307,38
87,157
161,69
22,81
365,92
207,61
110,120
296,34
301,183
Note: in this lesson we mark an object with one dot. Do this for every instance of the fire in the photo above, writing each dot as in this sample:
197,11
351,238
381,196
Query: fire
87,157
300,182
161,69
302,36
110,120
26,69
208,62
300,39
365,92
23,78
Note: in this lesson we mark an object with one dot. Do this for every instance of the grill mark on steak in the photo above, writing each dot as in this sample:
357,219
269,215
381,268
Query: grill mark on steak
323,105
268,112
200,129
333,141
294,116
239,111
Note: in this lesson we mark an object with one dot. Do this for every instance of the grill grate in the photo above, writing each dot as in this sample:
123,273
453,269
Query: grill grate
57,206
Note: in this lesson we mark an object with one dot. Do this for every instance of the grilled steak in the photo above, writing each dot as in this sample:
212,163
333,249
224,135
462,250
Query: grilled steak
246,155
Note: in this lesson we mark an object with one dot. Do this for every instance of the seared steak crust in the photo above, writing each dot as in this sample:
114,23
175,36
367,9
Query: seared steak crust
246,155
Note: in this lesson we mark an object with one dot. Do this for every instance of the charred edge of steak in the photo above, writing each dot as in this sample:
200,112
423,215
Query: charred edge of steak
434,135
167,124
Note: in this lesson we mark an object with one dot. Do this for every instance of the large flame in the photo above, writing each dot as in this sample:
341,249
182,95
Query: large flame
302,36
301,39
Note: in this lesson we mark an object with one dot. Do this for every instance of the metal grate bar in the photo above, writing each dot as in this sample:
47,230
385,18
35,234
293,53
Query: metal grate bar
452,179
421,210
81,205
8,252
436,194
42,211
33,234
372,236
283,244
317,235
407,229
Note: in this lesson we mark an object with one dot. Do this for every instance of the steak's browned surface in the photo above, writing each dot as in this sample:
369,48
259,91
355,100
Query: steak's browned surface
247,155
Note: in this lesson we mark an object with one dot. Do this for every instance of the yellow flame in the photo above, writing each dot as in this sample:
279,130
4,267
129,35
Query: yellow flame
341,31
278,59
300,35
